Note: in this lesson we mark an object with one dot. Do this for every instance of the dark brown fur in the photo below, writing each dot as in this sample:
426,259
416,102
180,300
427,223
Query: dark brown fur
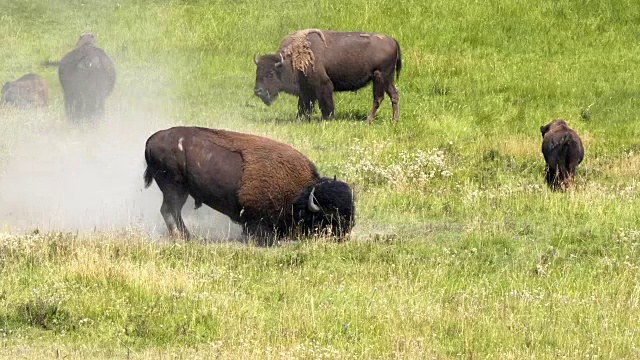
339,61
254,180
29,91
563,151
88,77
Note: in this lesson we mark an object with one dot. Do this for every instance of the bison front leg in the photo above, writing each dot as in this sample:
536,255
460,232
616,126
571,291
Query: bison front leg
379,88
305,106
306,100
325,99
262,233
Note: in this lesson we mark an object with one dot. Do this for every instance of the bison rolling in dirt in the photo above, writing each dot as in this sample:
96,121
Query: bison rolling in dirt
563,151
29,91
268,187
88,77
312,64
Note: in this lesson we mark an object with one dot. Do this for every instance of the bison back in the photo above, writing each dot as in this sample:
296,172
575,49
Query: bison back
561,146
274,174
87,71
27,91
350,58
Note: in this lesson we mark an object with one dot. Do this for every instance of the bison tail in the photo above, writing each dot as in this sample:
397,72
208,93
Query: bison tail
398,61
148,177
50,63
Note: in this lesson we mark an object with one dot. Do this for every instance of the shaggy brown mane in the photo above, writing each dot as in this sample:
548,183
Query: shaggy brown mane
297,48
258,180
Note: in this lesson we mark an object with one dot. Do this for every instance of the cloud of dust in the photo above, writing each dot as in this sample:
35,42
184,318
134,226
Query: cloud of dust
63,178
55,176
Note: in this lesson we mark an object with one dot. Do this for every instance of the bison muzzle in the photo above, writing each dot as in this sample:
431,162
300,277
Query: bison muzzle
268,187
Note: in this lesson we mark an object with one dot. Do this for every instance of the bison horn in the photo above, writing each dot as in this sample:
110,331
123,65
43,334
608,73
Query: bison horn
312,203
255,59
281,62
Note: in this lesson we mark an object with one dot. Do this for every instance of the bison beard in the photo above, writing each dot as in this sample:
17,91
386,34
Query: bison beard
563,151
268,187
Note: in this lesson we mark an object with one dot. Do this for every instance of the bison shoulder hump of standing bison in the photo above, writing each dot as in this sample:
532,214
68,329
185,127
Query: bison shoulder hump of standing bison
269,187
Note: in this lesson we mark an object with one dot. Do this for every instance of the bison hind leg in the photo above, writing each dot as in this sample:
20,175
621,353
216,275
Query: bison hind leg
174,197
379,88
393,94
306,102
550,176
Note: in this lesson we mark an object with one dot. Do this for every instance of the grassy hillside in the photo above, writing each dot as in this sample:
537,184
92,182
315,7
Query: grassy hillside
459,250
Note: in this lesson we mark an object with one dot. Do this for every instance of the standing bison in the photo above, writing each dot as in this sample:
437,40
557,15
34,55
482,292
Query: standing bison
87,76
563,151
29,91
269,187
312,64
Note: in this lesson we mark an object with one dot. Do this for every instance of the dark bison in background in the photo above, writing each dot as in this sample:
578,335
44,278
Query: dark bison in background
87,76
312,64
563,151
268,187
29,91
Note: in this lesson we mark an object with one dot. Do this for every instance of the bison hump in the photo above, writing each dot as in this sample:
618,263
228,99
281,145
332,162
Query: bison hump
296,48
274,173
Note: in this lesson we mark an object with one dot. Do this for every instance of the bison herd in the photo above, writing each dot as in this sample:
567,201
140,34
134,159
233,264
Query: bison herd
268,187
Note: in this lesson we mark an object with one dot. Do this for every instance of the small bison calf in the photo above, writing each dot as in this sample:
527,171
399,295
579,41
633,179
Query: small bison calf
29,91
563,151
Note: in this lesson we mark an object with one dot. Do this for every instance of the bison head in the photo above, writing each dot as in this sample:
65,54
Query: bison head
10,94
5,88
325,208
269,77
86,39
555,123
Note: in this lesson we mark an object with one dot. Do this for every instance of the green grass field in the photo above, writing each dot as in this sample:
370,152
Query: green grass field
459,249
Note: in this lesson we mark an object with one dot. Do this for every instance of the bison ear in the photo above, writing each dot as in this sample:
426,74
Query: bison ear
544,129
